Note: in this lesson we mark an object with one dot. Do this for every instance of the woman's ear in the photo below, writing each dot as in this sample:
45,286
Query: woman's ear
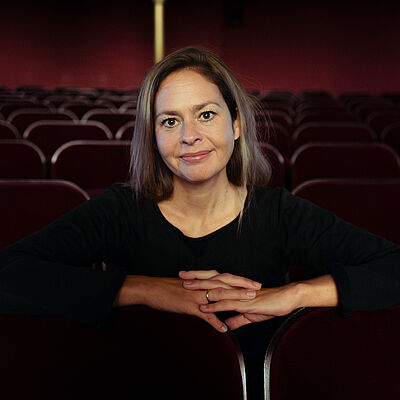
236,126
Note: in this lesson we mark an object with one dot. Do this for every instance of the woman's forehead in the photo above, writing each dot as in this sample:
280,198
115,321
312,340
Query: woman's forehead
186,88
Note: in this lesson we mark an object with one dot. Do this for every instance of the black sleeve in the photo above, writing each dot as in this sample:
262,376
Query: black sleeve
365,267
47,272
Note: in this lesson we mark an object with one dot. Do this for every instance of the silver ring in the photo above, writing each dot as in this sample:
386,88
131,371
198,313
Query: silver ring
207,296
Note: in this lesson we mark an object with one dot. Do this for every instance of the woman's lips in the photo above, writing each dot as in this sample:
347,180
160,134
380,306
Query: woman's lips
195,157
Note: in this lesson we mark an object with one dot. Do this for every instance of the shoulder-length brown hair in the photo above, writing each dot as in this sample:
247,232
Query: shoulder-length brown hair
247,167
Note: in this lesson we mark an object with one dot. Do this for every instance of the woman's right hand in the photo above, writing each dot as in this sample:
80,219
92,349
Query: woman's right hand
166,294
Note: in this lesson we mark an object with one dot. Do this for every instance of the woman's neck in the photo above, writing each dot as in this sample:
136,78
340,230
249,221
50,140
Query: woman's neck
199,209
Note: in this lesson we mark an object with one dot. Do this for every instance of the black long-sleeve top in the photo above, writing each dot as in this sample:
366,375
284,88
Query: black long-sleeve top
47,272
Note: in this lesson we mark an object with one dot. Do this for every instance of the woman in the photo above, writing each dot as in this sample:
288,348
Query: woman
197,203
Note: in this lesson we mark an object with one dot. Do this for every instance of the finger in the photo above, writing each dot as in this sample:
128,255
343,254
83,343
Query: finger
219,294
213,320
244,319
258,317
205,284
237,321
223,305
238,281
205,274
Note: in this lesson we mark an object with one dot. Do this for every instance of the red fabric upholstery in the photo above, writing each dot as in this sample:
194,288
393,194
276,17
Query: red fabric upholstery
363,111
140,354
126,131
327,114
343,160
92,165
113,120
317,355
277,163
380,120
281,118
20,158
8,131
7,108
79,109
21,119
50,135
391,136
270,102
371,204
276,135
28,205
332,132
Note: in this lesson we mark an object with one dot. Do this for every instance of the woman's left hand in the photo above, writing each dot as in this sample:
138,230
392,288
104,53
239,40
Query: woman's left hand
232,293
235,293
267,304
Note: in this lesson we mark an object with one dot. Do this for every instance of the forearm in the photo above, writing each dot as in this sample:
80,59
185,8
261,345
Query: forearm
317,292
132,291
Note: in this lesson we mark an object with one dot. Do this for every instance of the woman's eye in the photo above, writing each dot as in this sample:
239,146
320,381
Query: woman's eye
207,115
169,122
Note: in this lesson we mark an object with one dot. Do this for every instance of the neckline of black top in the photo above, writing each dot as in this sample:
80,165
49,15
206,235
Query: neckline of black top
222,229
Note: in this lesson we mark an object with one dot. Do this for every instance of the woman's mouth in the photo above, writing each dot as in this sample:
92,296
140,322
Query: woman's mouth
195,157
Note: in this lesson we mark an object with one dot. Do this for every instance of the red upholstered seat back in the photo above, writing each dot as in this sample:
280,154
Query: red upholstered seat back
50,135
343,160
92,164
370,204
140,354
318,354
20,158
28,205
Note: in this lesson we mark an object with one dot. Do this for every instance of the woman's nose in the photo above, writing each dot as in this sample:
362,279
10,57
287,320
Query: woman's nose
190,134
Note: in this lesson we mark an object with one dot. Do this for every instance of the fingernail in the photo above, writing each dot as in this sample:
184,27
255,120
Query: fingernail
257,284
203,306
251,293
224,328
187,283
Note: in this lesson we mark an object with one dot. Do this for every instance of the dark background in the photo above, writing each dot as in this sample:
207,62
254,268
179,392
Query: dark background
333,45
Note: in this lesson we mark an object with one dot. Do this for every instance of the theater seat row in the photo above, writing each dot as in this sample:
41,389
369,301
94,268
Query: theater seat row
314,354
95,164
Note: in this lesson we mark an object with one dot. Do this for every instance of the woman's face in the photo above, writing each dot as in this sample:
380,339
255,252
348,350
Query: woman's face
193,127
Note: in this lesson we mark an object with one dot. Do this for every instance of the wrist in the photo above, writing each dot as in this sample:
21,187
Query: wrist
317,292
133,291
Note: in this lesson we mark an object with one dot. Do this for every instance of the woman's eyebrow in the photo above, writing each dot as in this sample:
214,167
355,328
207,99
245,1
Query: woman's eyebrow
196,107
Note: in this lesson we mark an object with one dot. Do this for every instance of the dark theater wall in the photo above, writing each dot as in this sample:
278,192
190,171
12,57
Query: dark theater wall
334,45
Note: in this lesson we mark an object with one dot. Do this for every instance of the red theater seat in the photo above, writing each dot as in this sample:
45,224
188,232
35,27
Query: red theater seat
332,132
50,135
380,120
28,205
270,102
365,110
139,354
317,354
276,135
22,118
372,204
7,108
79,109
277,163
281,118
126,131
8,131
317,104
93,165
334,114
391,136
20,158
117,101
113,120
343,160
